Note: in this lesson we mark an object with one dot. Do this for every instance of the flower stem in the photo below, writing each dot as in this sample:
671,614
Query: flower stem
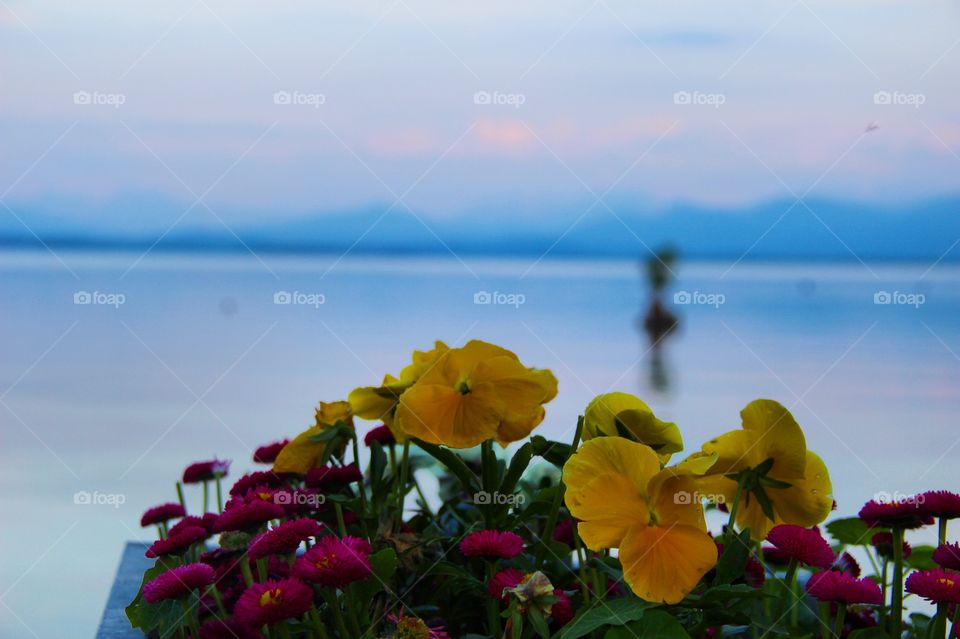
402,486
219,496
317,623
206,495
943,609
734,508
494,627
896,605
334,606
245,569
841,613
183,502
341,522
557,501
788,580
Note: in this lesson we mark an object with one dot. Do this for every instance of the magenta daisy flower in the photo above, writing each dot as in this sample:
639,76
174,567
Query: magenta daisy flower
940,503
563,532
161,513
205,471
273,601
227,629
381,434
507,578
805,545
178,582
243,516
335,562
267,453
178,543
285,538
883,542
191,521
846,563
894,514
250,481
840,587
936,585
562,609
775,557
492,543
333,476
948,556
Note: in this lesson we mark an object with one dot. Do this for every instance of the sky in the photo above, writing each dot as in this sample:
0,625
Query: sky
459,108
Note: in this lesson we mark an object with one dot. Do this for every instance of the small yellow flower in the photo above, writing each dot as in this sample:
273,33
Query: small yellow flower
379,403
615,487
770,453
624,415
473,394
302,454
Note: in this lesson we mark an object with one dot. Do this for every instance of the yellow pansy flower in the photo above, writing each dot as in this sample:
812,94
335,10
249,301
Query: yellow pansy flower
784,482
378,403
615,487
303,454
624,415
473,394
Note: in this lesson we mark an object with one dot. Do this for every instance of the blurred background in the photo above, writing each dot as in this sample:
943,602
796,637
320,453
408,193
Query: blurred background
214,214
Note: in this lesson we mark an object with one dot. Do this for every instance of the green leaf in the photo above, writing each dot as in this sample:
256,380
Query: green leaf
656,624
733,561
384,564
377,469
453,462
521,459
141,614
554,452
850,531
616,612
339,429
539,622
921,558
868,633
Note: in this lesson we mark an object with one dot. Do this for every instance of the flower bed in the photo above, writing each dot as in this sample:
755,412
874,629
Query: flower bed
604,536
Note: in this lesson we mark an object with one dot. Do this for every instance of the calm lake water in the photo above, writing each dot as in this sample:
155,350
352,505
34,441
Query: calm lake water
112,399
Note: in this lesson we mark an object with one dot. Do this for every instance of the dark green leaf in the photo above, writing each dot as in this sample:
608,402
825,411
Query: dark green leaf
921,558
656,624
453,462
850,531
616,612
554,452
521,459
733,561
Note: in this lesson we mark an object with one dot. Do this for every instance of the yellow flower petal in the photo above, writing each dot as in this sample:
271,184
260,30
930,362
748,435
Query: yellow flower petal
664,563
809,500
301,454
607,507
329,413
439,414
624,415
611,455
778,437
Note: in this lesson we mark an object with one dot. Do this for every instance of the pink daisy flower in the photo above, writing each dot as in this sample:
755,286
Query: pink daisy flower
894,514
267,453
285,538
492,543
332,476
948,556
563,532
227,629
335,562
883,542
191,521
381,434
205,471
273,601
775,557
562,610
936,585
940,503
253,480
846,563
178,543
178,582
507,578
243,516
806,545
161,513
840,587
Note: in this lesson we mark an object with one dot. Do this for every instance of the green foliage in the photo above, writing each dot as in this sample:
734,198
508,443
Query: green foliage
616,612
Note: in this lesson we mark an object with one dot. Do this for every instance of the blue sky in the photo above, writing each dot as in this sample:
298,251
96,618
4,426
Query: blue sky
383,103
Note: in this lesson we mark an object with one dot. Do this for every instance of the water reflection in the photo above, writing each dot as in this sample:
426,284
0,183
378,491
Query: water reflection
659,322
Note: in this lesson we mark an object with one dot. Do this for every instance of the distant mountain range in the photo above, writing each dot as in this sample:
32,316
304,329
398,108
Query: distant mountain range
821,229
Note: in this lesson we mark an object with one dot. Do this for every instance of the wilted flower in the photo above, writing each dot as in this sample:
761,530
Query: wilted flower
840,587
935,585
473,394
622,499
335,562
624,415
267,453
799,489
178,543
894,514
492,543
507,578
162,513
273,601
285,538
806,545
333,476
409,627
948,556
206,471
531,590
178,582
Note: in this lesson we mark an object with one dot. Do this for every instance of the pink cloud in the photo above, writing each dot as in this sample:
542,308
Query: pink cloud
509,136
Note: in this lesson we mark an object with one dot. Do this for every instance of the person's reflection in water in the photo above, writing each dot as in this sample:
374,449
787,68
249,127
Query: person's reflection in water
659,322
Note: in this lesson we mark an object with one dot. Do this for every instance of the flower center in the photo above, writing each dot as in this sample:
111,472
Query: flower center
463,387
324,562
412,628
944,581
271,597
